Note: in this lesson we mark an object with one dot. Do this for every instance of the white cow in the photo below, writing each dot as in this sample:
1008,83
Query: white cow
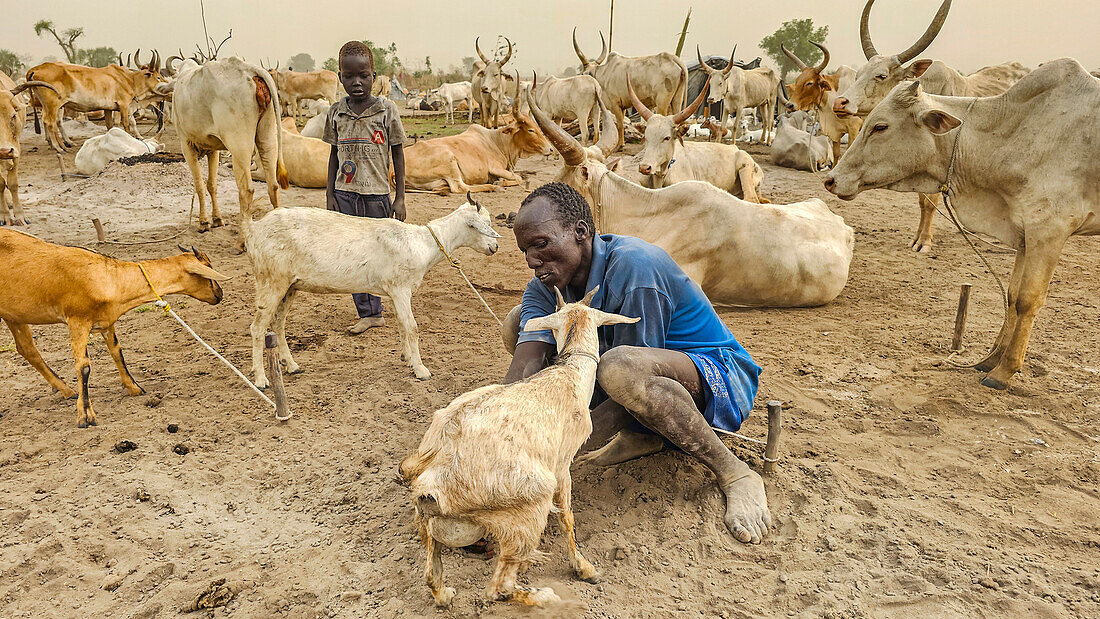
794,147
738,89
1033,199
97,152
572,98
315,127
450,95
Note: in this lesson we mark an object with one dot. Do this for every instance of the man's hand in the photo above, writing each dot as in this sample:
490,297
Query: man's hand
399,208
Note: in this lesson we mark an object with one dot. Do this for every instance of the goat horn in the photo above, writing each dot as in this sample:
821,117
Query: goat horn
571,150
929,35
478,48
638,105
865,32
181,248
470,199
560,301
587,300
577,48
689,110
795,59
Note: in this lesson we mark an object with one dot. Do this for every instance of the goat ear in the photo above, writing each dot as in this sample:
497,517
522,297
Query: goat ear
200,269
543,323
604,318
939,122
484,228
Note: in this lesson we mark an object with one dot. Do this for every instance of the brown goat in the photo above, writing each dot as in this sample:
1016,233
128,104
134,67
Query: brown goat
49,284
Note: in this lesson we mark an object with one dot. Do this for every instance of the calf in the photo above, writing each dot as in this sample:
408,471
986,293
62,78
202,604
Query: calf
49,284
312,250
496,460
97,152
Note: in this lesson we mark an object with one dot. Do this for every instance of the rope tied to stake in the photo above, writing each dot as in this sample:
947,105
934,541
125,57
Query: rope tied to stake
458,266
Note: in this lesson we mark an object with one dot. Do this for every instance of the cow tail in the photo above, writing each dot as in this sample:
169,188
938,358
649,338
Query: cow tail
273,106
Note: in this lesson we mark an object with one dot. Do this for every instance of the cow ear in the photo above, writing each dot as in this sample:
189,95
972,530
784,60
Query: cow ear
917,69
640,127
510,129
613,165
939,122
508,77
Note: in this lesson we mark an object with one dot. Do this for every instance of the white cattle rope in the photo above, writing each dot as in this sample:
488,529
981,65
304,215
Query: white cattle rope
458,266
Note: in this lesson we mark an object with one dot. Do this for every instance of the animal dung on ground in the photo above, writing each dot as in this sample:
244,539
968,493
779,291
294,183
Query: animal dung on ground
124,446
152,158
173,428
181,449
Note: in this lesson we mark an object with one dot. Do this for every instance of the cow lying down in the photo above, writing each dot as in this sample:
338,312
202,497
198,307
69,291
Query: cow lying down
495,461
97,152
306,159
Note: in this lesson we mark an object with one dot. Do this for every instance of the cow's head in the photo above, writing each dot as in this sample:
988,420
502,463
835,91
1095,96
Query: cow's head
13,113
524,132
809,89
897,148
490,75
588,67
574,155
716,78
881,73
146,76
661,133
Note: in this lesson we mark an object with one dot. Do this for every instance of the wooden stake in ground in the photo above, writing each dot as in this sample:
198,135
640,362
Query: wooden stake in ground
275,371
960,317
102,238
775,425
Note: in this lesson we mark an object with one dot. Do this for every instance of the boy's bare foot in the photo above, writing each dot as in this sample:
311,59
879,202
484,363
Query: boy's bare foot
626,445
747,515
366,323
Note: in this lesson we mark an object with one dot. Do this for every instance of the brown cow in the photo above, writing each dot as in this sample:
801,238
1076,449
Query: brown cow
13,115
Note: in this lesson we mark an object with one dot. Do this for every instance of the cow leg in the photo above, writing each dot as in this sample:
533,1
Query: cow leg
563,501
1039,263
836,150
120,362
6,216
594,118
268,300
212,188
769,111
24,343
16,207
78,337
127,119
736,122
582,121
242,172
746,173
508,177
470,111
402,306
51,117
1009,325
928,203
433,569
191,156
280,331
457,185
620,120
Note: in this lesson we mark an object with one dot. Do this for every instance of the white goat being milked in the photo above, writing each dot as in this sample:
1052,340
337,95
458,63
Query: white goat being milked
305,249
495,461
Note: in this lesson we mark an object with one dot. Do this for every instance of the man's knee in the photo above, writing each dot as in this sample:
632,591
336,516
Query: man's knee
621,373
509,331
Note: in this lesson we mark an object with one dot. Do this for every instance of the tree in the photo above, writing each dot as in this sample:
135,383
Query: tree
97,56
796,35
468,64
66,39
12,63
331,65
301,62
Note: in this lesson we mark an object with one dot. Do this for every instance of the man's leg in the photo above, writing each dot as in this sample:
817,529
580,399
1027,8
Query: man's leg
663,390
367,306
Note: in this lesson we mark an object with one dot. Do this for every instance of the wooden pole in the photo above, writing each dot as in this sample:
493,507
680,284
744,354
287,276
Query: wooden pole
960,317
611,26
102,238
275,375
775,425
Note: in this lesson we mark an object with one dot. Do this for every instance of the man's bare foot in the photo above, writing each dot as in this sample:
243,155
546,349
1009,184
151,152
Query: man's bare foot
366,323
625,445
747,515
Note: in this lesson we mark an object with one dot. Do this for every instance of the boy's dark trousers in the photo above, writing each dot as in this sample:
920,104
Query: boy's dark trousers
361,205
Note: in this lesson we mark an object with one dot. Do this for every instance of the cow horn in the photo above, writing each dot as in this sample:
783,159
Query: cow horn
571,150
120,59
699,55
160,121
156,60
729,67
825,60
634,100
928,36
168,63
277,63
684,114
33,84
577,48
603,50
127,60
515,100
509,56
478,48
137,55
609,132
795,59
865,32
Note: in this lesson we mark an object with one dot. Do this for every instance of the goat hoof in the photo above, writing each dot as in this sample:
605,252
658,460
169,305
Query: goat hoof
444,597
993,383
422,373
293,369
139,391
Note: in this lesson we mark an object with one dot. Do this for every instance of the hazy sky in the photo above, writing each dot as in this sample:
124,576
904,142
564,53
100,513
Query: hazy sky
977,33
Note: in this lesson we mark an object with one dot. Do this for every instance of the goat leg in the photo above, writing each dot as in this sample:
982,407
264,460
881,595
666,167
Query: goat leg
581,566
24,343
433,570
120,362
78,337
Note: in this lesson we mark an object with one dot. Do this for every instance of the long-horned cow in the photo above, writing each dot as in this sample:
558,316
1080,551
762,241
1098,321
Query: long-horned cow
295,86
86,89
660,81
816,91
874,80
229,105
488,85
667,159
577,97
13,115
1033,200
738,89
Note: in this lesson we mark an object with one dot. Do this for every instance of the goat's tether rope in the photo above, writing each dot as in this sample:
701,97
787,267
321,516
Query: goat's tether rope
456,265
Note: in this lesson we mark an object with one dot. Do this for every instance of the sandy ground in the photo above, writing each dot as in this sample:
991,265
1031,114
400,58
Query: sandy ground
905,488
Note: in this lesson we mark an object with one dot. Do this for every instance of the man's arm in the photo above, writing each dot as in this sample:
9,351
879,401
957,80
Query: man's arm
530,357
330,184
398,153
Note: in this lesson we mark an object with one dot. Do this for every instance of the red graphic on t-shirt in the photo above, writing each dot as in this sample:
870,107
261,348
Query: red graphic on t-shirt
379,137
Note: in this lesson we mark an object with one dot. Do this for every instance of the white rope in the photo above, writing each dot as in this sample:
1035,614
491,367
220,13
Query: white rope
162,304
740,436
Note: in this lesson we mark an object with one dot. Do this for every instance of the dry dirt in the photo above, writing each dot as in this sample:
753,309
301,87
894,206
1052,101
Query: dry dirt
905,489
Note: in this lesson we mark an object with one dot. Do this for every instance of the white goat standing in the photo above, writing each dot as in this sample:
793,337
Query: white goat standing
496,460
306,249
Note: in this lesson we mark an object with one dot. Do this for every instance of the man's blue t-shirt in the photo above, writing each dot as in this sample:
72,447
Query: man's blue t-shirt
638,279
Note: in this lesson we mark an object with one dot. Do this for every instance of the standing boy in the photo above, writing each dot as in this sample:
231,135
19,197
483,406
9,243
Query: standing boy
366,136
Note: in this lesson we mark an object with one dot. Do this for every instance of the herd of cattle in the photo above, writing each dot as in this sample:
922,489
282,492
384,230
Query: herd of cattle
1013,150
